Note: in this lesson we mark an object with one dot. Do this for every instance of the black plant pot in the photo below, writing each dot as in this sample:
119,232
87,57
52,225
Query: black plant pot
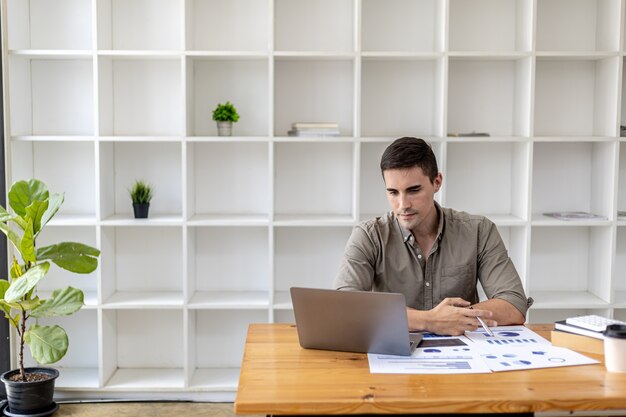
141,210
30,398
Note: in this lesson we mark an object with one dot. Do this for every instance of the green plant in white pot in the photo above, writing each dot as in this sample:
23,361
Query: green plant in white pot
33,207
225,115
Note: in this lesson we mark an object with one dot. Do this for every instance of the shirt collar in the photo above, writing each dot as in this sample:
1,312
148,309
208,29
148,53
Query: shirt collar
407,236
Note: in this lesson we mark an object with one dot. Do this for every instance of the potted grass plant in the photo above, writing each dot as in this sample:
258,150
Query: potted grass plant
141,194
30,390
225,115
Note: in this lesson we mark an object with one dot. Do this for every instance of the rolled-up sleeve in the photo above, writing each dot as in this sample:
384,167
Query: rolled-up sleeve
358,265
496,271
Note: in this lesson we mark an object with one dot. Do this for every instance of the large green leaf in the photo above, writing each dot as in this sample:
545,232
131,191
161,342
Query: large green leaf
73,256
27,244
35,212
62,303
23,193
55,202
25,304
4,286
21,286
48,344
13,237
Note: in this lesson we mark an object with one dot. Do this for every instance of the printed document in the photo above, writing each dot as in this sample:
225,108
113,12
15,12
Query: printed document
510,348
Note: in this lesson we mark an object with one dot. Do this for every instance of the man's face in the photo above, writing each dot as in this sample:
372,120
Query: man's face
411,195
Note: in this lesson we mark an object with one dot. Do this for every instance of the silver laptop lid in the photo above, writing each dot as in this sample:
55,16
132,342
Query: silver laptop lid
352,321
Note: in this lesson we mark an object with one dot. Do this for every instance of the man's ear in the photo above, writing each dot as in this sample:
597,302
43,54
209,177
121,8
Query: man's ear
438,180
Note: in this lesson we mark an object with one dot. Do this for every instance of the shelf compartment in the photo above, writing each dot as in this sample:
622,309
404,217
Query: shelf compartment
323,175
284,316
298,23
41,24
489,95
540,315
60,278
313,90
142,266
619,283
500,189
308,257
159,164
239,25
140,97
571,266
216,340
140,24
576,97
578,25
228,180
243,82
589,165
65,167
474,28
372,195
142,349
229,261
227,300
51,96
421,22
215,379
400,96
620,313
79,367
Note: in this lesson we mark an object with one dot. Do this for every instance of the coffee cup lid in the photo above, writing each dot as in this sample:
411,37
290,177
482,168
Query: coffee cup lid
616,330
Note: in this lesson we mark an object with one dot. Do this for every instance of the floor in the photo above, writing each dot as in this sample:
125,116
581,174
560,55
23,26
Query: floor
148,409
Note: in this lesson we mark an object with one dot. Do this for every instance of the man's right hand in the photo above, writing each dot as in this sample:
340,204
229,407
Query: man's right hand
451,317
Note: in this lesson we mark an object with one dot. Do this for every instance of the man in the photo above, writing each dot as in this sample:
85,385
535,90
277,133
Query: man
433,255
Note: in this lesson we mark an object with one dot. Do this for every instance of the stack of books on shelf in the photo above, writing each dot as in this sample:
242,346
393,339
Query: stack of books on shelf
315,129
583,333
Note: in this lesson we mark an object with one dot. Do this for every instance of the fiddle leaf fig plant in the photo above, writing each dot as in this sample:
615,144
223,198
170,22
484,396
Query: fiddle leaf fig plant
33,208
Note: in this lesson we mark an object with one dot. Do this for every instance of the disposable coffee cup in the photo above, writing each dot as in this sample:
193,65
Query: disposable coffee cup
615,347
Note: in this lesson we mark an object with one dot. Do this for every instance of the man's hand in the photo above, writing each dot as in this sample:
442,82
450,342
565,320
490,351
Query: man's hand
451,317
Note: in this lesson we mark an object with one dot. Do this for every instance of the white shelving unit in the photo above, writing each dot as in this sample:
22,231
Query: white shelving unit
99,93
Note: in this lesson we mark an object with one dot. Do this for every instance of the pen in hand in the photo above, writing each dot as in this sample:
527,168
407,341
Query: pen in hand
482,323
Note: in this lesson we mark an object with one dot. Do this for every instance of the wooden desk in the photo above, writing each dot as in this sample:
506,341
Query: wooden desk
279,377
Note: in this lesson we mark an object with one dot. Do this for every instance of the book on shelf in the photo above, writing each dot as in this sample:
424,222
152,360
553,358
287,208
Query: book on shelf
314,125
577,342
313,129
312,133
570,328
574,215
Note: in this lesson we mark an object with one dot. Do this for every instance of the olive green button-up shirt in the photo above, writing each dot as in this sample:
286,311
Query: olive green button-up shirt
381,255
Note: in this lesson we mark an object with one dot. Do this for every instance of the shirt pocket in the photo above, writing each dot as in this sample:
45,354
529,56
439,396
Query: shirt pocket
458,281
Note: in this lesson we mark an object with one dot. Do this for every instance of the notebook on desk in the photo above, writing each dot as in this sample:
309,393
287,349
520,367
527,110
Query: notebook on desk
353,321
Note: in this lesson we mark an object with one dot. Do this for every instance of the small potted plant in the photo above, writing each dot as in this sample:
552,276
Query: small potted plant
225,115
30,390
141,194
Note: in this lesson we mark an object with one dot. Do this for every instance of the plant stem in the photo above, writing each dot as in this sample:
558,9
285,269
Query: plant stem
21,352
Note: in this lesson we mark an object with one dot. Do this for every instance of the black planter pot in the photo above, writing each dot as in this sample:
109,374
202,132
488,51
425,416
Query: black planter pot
141,210
30,398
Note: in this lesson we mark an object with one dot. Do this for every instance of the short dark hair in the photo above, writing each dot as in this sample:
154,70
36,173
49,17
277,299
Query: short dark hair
408,152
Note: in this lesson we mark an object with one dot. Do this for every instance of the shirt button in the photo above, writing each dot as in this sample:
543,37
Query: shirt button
428,284
419,256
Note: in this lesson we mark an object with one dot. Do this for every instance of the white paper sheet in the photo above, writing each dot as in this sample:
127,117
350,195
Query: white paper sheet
437,358
510,358
506,336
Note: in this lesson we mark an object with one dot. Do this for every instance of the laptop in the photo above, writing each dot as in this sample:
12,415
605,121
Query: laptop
353,321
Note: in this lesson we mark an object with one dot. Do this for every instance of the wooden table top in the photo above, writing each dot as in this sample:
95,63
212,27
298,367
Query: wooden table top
279,377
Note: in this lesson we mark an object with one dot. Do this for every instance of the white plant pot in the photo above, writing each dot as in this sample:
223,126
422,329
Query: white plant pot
224,128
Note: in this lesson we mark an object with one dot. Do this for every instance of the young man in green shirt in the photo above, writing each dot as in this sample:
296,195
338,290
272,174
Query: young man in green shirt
435,256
